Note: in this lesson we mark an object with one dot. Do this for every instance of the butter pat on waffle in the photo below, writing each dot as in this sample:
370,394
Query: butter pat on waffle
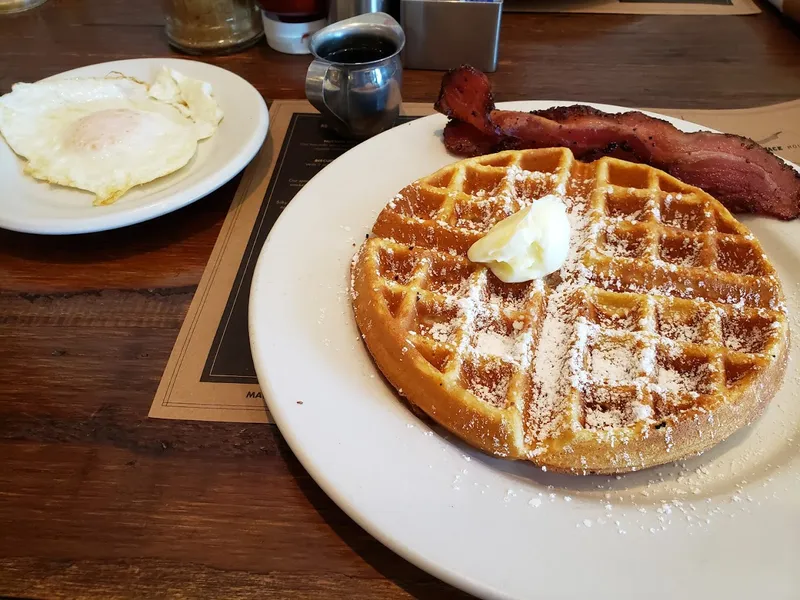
663,333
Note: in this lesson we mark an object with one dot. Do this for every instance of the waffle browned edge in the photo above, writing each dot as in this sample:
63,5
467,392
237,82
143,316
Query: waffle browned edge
502,435
380,332
687,437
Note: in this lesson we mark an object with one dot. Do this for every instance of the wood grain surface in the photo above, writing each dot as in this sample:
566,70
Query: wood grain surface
97,500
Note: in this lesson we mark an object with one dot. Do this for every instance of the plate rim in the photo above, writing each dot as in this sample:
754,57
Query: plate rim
259,282
175,200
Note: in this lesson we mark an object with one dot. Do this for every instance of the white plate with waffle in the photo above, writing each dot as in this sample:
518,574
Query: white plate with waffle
719,525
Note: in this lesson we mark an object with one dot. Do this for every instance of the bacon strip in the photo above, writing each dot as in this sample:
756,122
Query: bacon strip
737,171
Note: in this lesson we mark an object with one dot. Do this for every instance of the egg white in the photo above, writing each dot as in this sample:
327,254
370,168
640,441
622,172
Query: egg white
192,97
102,135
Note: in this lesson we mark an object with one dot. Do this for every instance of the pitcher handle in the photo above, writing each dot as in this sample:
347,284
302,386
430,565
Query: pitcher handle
315,90
315,84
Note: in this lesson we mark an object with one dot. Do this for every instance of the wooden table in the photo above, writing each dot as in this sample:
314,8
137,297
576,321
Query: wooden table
97,500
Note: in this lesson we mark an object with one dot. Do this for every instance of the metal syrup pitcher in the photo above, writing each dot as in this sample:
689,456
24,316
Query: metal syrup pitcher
355,78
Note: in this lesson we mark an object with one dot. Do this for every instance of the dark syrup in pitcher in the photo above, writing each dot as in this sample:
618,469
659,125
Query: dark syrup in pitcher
357,49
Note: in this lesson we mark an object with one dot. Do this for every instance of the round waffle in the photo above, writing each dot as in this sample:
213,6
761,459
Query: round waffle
663,333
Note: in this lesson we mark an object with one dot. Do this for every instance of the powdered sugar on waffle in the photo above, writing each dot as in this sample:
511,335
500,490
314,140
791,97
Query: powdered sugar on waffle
614,363
563,339
441,332
569,357
492,343
506,192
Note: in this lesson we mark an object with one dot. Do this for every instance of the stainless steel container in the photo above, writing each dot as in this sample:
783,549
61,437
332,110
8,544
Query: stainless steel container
355,77
344,9
443,34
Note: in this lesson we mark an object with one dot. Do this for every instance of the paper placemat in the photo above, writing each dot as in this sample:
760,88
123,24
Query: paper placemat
637,7
210,374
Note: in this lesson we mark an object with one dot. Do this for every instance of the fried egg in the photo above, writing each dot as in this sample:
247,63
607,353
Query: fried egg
107,135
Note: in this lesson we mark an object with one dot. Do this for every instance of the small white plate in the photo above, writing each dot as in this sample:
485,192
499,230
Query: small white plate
723,525
36,207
